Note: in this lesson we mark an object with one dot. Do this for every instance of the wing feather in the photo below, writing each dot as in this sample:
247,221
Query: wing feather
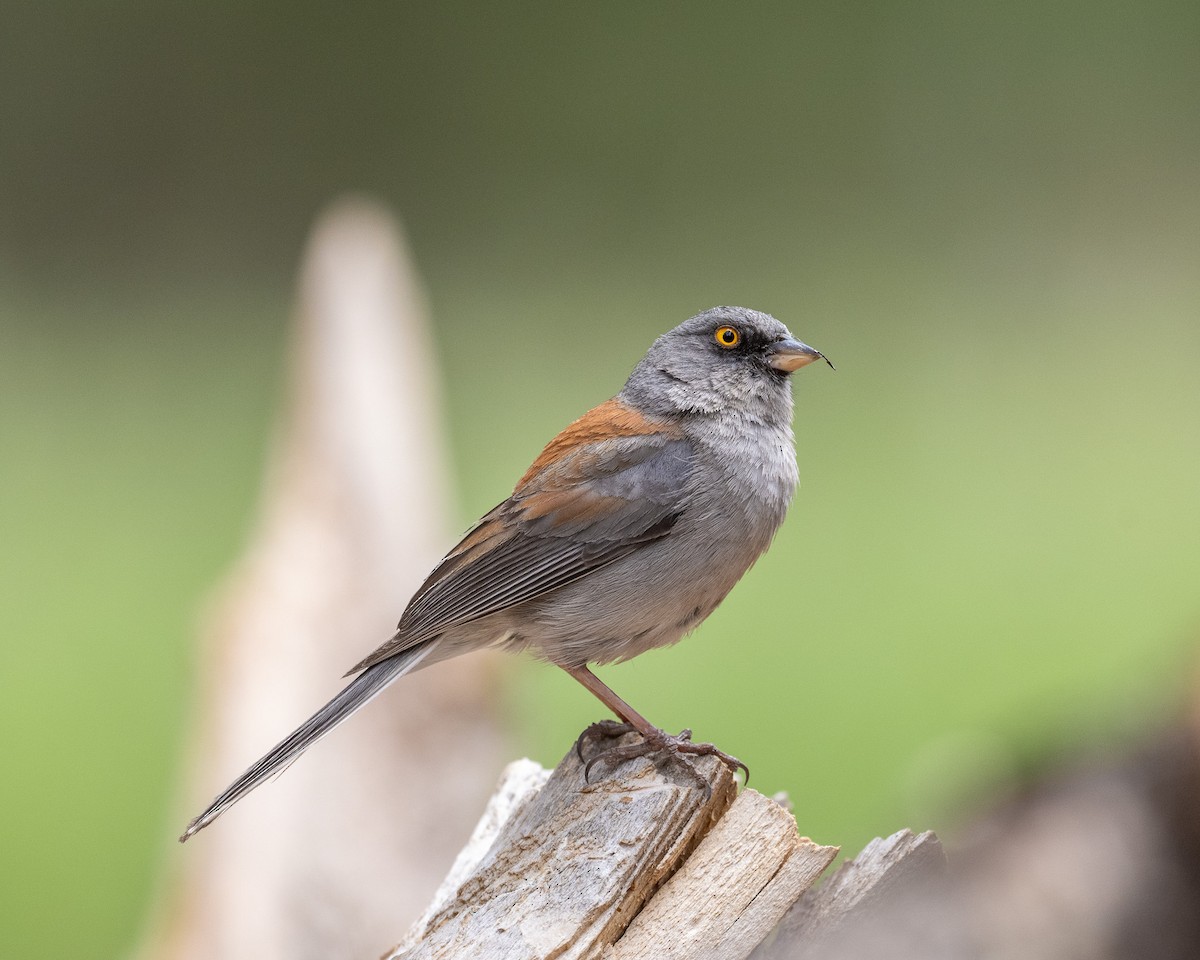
597,502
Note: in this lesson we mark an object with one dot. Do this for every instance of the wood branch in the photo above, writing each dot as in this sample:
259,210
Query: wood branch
337,855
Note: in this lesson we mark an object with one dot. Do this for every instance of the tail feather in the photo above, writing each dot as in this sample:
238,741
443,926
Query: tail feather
355,694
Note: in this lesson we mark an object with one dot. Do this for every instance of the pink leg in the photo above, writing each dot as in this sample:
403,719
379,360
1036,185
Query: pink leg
606,696
653,739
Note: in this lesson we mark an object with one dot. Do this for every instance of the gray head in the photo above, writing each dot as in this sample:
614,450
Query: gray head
724,360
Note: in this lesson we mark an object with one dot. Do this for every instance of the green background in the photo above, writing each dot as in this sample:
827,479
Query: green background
988,215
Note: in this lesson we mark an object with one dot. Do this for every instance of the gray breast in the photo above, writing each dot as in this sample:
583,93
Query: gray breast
739,492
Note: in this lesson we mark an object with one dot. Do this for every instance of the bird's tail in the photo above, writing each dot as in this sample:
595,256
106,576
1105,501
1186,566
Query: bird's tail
355,694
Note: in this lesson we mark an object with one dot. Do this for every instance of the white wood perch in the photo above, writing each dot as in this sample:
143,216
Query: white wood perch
665,861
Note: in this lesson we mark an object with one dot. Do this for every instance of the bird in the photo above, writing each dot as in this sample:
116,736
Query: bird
626,532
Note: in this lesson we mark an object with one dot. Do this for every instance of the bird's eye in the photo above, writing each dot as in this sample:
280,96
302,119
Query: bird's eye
728,337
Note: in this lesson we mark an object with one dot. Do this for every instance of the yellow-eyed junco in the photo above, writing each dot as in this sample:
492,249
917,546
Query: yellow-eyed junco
626,532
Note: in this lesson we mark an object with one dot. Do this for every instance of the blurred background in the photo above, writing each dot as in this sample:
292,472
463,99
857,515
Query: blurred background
987,215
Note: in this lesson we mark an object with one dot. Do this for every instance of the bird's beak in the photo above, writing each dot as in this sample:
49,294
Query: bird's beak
788,355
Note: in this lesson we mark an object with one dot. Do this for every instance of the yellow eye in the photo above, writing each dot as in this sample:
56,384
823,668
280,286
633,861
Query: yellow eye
728,337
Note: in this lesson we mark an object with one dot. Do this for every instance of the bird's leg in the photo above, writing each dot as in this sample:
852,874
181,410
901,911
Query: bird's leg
654,740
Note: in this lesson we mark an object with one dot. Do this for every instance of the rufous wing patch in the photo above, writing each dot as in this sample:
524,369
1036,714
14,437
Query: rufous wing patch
611,419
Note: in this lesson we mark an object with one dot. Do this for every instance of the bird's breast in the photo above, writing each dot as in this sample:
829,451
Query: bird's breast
749,469
736,499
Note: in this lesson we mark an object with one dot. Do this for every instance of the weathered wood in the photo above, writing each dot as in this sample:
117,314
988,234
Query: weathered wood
569,871
336,856
653,860
732,890
519,784
857,893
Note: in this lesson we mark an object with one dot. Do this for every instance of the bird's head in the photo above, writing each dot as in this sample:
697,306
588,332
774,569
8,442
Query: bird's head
724,360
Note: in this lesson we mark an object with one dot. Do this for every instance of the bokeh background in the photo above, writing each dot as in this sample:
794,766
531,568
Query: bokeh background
987,214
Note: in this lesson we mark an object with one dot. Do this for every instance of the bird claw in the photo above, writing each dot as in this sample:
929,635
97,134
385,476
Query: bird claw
659,741
608,729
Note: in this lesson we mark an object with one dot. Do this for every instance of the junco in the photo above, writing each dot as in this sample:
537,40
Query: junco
626,532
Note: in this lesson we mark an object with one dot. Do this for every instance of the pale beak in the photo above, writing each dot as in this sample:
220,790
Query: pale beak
788,355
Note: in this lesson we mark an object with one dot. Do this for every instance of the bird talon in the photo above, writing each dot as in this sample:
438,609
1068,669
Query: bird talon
587,767
609,729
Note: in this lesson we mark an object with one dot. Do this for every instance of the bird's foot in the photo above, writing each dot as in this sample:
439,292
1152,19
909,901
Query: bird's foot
657,742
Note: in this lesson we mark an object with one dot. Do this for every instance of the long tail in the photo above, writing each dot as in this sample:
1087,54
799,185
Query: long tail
355,694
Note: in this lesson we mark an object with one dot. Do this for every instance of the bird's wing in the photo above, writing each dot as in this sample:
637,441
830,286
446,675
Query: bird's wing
609,483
